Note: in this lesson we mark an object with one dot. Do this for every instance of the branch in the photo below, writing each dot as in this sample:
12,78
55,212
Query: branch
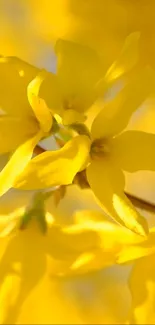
38,150
141,203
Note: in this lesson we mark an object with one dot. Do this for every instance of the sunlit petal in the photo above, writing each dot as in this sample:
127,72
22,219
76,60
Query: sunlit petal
17,163
38,105
56,167
127,58
107,183
115,114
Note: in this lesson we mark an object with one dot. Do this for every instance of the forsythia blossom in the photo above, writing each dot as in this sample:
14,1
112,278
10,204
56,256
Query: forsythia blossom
76,95
109,153
55,256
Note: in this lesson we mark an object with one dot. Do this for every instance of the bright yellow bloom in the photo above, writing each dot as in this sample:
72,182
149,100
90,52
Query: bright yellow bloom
37,270
69,93
72,87
80,75
21,129
78,81
111,153
114,152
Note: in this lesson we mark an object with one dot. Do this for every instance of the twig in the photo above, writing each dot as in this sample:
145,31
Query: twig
141,203
38,150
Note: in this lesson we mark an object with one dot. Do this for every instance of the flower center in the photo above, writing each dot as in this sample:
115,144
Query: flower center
99,148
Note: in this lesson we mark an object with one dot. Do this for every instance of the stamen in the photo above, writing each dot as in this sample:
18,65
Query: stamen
99,148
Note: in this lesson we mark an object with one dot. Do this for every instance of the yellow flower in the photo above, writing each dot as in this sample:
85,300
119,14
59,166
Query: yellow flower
111,153
21,128
68,93
36,270
114,152
78,81
80,75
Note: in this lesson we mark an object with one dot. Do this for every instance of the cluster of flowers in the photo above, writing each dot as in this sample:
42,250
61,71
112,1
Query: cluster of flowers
35,105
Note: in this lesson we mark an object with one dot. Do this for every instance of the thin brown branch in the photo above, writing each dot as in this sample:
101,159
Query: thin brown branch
141,203
38,150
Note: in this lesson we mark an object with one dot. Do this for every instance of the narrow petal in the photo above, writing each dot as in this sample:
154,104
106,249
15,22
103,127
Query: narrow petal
38,105
14,131
111,235
50,91
56,167
134,150
79,69
142,286
107,183
17,163
115,115
127,58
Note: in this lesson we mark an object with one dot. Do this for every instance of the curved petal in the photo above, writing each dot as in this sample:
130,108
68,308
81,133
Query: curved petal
56,167
107,183
142,286
138,250
38,105
50,91
14,131
115,115
127,58
109,232
17,163
134,150
79,69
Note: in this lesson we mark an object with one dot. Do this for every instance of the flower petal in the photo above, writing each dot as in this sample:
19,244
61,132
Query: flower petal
50,91
107,183
115,115
71,116
14,131
29,265
15,76
17,163
142,286
38,105
138,250
56,167
134,150
79,69
126,60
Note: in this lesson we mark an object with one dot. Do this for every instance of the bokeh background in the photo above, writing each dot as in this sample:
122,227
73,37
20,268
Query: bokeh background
29,30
